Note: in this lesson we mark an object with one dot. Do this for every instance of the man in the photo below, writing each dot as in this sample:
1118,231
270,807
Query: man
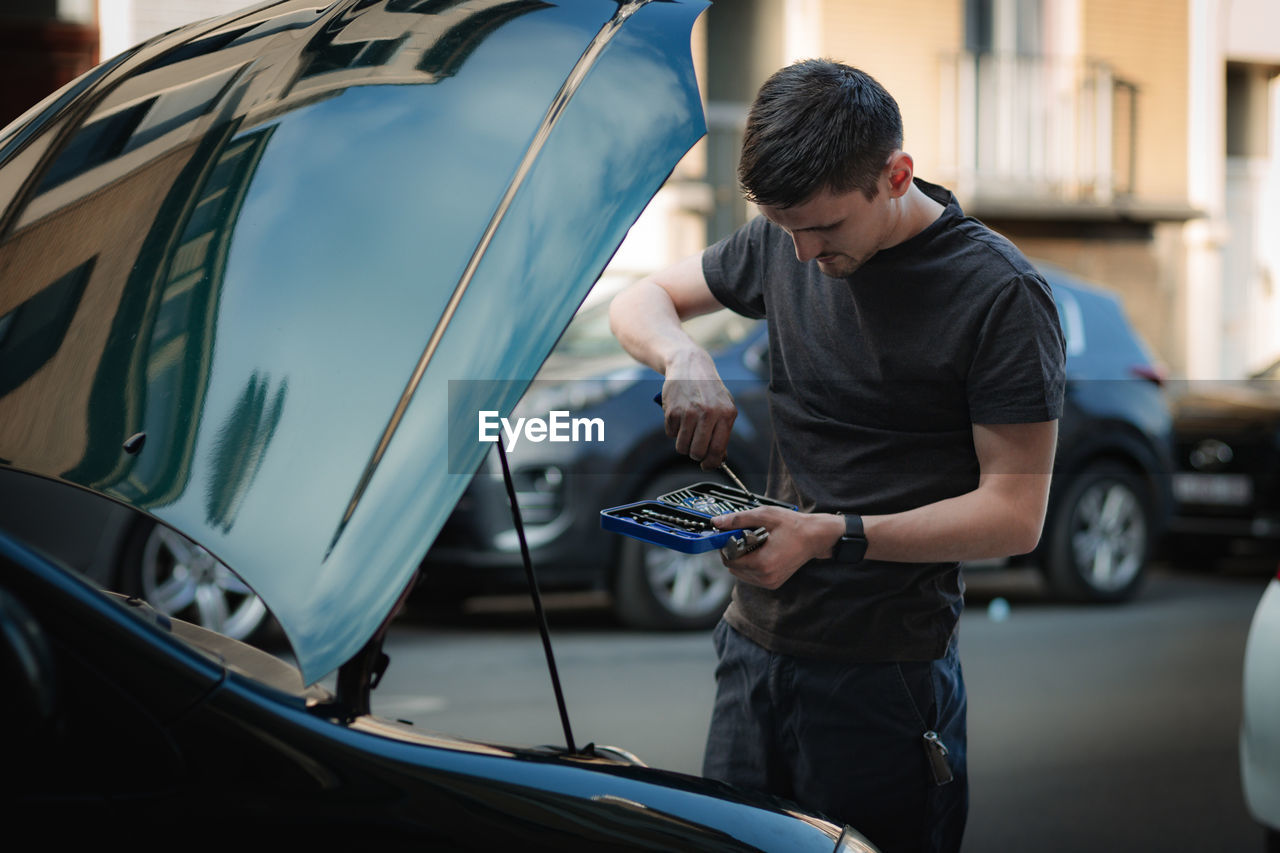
916,381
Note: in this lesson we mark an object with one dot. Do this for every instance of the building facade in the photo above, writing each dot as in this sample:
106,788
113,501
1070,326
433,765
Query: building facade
1132,142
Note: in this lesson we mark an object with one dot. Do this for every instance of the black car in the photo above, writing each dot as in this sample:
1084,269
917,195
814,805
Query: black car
1109,502
256,276
1111,496
1227,481
562,487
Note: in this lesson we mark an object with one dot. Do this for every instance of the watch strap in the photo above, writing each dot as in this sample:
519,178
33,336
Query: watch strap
852,546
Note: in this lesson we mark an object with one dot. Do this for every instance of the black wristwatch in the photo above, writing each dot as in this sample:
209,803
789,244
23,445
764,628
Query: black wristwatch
852,546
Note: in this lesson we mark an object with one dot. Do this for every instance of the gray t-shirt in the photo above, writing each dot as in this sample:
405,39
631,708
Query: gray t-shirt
876,381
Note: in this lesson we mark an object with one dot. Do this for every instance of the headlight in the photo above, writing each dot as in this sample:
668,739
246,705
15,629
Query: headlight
851,841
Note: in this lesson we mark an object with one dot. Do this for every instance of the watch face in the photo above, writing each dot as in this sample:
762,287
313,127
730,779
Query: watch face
850,549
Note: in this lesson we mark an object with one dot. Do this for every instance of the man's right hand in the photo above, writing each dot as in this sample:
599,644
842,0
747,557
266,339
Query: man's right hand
698,411
646,317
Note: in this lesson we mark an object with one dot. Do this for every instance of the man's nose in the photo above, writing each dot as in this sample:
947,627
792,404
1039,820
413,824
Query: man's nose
808,246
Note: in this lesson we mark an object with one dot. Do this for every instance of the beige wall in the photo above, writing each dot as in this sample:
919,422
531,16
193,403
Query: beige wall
901,45
1143,271
1144,41
1147,43
45,421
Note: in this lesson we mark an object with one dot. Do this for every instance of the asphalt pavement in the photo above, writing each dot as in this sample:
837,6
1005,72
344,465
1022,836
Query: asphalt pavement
1109,728
1100,728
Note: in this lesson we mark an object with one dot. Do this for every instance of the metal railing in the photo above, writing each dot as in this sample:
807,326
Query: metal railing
1037,128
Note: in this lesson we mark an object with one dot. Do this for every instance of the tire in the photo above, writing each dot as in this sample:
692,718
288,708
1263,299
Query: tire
1098,536
181,579
658,588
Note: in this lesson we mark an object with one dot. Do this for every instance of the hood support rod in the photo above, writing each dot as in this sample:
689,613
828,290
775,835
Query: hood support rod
537,599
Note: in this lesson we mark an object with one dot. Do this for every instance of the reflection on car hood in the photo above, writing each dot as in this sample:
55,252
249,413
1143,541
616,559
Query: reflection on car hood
240,266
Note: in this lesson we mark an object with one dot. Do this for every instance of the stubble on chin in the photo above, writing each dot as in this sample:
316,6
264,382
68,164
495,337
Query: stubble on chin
841,268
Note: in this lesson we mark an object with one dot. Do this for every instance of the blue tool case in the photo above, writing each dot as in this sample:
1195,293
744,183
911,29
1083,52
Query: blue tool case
681,520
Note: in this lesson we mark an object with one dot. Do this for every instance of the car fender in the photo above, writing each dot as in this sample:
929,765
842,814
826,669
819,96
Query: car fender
1118,440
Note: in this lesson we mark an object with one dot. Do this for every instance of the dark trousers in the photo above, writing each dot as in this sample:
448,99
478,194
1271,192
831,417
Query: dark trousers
845,740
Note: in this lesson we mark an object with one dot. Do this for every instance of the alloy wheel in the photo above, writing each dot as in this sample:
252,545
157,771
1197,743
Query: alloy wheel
1109,535
687,585
182,579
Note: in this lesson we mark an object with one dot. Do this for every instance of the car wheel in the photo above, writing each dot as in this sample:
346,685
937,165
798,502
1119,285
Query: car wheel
1099,535
181,579
660,588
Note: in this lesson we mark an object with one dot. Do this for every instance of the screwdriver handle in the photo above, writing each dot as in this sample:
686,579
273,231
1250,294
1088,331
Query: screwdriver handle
724,466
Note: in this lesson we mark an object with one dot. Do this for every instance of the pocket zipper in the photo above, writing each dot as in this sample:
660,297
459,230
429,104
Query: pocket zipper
936,751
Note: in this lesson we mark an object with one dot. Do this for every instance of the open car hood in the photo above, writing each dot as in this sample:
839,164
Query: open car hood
251,270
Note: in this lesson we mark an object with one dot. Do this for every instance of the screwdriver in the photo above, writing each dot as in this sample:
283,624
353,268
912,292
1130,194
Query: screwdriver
724,466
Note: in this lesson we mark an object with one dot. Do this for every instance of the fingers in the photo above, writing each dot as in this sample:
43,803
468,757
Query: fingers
704,438
747,519
699,415
779,556
718,445
754,568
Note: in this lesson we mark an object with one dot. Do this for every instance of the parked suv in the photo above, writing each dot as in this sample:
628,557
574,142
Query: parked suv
1109,502
1111,496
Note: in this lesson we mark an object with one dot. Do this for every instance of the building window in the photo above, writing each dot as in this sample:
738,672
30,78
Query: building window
1027,116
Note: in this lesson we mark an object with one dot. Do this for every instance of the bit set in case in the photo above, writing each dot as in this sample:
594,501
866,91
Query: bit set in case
681,520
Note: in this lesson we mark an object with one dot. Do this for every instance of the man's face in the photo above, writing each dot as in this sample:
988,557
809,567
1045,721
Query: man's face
838,230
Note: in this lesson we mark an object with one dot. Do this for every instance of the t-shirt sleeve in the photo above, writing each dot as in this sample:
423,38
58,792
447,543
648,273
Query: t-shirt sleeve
1018,371
734,268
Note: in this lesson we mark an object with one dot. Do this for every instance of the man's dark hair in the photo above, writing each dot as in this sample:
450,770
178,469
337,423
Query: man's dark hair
817,125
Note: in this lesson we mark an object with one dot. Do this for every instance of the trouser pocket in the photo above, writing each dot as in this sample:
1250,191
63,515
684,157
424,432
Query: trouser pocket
917,685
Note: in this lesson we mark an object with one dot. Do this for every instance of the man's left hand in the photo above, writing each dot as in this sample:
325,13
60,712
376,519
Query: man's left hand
795,538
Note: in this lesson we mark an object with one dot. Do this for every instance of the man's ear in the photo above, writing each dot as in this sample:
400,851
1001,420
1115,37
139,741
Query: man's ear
900,169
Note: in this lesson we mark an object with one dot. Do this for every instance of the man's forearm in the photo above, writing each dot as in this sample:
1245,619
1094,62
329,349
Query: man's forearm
698,411
1003,516
645,322
1001,519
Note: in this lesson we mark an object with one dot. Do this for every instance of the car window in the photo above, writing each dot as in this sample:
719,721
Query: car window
1100,341
1072,321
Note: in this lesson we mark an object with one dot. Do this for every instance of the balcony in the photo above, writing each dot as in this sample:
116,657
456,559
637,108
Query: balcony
1037,133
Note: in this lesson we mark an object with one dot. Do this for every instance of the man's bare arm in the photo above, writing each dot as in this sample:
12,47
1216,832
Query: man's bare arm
1003,516
646,318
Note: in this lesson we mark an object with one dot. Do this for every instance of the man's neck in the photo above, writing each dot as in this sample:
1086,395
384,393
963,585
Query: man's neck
916,212
922,210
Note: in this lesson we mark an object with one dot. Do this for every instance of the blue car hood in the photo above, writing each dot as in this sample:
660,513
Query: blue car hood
251,270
